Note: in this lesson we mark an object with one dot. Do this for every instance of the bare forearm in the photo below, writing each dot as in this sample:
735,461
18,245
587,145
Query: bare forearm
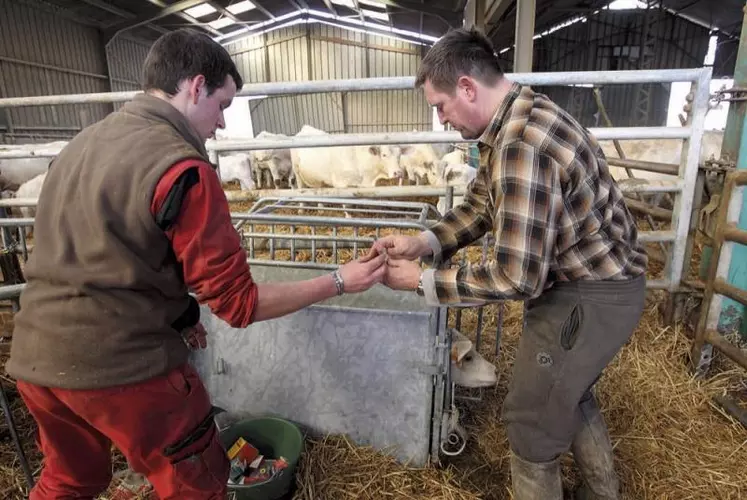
278,299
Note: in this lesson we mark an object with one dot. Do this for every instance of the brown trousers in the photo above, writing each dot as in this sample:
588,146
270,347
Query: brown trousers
571,333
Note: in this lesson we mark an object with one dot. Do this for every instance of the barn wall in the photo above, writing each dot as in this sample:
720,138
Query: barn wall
283,55
67,60
611,40
125,58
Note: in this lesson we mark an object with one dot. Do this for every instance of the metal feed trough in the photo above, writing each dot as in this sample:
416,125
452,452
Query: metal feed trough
374,365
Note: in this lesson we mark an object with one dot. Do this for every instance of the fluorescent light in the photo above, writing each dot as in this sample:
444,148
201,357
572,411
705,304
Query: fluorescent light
221,23
200,10
626,4
375,15
257,29
398,31
258,26
243,6
371,2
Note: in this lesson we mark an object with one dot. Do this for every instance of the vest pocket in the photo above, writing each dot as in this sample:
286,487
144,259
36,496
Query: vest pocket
571,327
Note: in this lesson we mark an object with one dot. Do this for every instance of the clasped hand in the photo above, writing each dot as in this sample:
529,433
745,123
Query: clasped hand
389,261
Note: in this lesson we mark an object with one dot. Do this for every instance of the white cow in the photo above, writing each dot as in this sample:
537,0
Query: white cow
458,175
276,162
421,163
16,171
343,166
660,151
468,367
456,157
30,189
442,148
236,167
454,175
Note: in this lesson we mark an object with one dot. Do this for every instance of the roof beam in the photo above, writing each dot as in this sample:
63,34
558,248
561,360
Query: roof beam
330,7
495,11
165,11
358,8
122,13
187,17
263,10
474,14
110,8
416,6
223,11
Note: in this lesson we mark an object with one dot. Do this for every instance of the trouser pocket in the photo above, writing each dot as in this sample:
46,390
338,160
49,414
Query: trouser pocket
199,461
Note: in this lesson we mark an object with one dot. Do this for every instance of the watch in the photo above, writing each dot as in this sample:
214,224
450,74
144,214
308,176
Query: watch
419,289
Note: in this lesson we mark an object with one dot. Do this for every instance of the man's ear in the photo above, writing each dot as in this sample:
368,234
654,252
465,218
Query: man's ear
196,85
468,86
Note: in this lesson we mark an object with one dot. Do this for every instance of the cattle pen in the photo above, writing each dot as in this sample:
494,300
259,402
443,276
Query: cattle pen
666,432
396,398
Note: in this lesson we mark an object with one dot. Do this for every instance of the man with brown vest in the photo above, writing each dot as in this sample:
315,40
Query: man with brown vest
131,217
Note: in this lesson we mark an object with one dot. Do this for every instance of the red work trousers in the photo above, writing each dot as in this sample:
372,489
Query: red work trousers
163,426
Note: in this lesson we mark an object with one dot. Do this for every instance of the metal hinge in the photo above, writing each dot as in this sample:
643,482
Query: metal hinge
737,94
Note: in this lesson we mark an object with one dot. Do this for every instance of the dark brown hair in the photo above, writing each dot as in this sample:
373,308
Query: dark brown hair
186,53
460,52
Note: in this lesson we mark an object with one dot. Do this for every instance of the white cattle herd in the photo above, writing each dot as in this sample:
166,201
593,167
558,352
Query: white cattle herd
343,166
353,166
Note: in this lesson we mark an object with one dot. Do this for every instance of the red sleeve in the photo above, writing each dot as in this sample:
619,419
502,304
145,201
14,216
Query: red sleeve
208,246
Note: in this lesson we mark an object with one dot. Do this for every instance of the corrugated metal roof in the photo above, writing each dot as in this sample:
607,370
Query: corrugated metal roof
431,17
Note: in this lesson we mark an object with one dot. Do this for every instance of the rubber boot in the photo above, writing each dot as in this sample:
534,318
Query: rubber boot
536,481
592,452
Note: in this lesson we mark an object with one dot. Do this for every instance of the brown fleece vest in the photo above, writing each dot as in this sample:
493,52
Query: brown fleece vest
103,285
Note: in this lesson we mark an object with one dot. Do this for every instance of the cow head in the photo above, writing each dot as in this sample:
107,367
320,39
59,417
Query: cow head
468,367
388,157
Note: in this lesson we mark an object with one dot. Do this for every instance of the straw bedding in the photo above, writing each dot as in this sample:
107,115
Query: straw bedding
671,440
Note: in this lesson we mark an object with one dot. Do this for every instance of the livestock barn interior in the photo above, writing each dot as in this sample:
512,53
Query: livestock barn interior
678,421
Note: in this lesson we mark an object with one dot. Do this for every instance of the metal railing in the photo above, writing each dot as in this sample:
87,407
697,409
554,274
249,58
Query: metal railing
706,333
683,187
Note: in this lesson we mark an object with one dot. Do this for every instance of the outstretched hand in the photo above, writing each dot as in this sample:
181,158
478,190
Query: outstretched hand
400,247
363,273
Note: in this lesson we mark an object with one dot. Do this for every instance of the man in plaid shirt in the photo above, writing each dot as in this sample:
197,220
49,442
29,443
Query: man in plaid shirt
565,242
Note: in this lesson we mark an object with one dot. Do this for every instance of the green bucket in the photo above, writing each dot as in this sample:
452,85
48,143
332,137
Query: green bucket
273,437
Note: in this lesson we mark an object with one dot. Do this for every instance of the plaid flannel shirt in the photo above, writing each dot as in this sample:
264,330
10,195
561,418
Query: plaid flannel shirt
543,187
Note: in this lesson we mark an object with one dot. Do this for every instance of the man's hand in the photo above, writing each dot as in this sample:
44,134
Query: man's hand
361,274
195,337
401,247
402,274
